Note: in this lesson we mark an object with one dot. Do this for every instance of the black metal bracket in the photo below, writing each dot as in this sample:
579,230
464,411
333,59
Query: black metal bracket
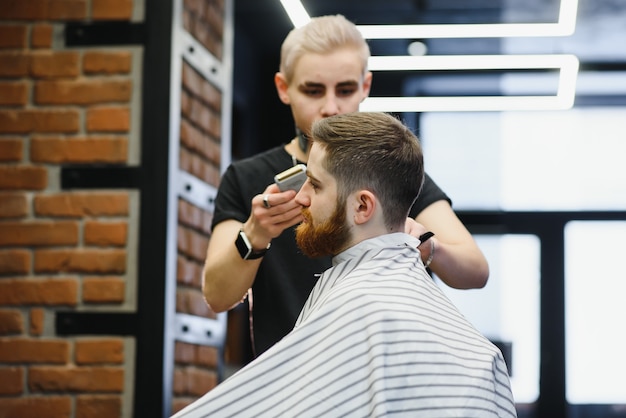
104,33
103,177
95,323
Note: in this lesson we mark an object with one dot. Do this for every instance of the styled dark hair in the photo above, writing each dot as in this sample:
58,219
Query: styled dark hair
376,152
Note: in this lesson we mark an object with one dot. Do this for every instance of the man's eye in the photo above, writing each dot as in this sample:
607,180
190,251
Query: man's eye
311,183
346,91
313,92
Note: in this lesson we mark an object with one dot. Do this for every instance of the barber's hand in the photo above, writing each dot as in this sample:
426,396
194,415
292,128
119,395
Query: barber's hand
412,227
272,212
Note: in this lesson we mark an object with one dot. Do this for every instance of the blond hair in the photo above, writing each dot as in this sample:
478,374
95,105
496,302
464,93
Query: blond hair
322,35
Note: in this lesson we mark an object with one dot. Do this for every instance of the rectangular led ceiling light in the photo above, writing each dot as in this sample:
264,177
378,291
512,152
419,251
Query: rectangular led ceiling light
564,98
565,26
566,64
296,12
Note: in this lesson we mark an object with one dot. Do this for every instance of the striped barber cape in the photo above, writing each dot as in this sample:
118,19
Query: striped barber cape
375,338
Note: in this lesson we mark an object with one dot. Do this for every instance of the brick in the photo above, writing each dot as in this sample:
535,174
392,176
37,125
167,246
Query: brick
101,351
11,322
82,204
14,262
200,114
13,94
36,407
185,104
98,406
104,290
194,6
111,9
192,243
214,16
39,233
41,36
201,88
27,10
118,62
11,149
191,301
195,165
108,119
43,9
208,38
11,380
34,351
68,10
178,384
213,125
198,381
194,217
190,354
207,356
76,379
13,205
188,104
80,261
188,272
37,317
47,292
54,64
13,36
94,149
23,178
103,234
199,142
184,353
14,63
198,306
82,92
48,121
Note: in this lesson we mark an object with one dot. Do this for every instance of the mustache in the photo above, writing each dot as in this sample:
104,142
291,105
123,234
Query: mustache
306,214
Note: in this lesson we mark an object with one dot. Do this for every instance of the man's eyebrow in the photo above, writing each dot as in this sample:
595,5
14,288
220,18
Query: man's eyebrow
308,84
349,83
311,175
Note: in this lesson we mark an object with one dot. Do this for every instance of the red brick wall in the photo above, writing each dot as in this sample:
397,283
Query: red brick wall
71,249
61,249
195,371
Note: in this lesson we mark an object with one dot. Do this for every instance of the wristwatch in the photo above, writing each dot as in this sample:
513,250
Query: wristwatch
245,248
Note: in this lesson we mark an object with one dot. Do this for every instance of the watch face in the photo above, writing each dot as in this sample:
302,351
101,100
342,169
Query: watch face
245,248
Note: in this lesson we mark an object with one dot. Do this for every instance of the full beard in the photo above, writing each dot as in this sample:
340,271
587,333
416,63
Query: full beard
328,238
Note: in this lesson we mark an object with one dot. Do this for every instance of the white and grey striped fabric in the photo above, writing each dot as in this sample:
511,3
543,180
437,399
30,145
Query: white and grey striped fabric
375,338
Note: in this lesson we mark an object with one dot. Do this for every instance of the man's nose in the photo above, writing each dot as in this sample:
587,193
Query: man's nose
301,197
331,106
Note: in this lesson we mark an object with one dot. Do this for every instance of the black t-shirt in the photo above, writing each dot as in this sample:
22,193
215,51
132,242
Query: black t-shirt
286,276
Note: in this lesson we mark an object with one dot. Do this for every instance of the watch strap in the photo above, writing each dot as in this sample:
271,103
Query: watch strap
245,247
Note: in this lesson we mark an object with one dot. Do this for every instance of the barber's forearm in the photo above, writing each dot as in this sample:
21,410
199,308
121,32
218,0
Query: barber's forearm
460,266
226,281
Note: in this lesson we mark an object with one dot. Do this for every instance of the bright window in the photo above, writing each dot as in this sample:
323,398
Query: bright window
595,292
569,161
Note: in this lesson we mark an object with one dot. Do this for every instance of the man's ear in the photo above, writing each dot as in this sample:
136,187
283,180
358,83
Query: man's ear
367,84
281,87
364,206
